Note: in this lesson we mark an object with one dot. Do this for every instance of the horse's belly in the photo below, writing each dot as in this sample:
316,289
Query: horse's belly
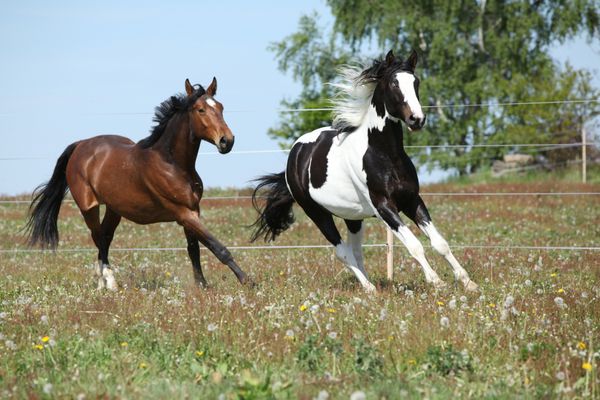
344,199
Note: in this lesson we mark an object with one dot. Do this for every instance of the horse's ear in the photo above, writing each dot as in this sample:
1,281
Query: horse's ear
390,58
212,88
412,60
189,89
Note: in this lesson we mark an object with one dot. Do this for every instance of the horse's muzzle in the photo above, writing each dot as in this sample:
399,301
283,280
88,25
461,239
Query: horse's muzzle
415,124
225,145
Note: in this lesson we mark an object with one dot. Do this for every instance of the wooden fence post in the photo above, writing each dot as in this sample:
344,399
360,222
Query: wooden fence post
390,254
583,155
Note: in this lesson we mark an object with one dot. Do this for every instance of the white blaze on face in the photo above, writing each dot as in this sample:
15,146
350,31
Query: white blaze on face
211,102
406,82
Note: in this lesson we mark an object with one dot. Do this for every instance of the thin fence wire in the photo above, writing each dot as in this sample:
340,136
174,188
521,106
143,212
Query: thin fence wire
456,194
305,247
317,109
541,146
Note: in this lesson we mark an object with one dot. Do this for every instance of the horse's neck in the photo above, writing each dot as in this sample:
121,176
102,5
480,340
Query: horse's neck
178,143
387,132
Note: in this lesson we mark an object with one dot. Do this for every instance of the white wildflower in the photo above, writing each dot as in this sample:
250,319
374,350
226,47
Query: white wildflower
452,304
358,395
560,302
48,388
212,327
508,301
445,322
323,395
332,335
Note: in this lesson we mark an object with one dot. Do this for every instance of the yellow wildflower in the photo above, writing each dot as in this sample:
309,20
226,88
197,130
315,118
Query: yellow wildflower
168,274
38,346
45,339
124,344
303,307
331,310
199,353
554,275
492,305
581,346
587,366
143,365
412,361
561,290
440,303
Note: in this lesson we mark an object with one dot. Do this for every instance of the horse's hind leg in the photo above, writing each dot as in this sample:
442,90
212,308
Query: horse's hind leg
193,249
109,224
102,235
344,252
421,217
355,238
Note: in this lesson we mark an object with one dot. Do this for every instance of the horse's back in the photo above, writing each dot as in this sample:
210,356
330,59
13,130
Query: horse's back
101,167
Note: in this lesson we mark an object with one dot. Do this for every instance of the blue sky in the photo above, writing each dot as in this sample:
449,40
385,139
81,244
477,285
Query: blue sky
72,70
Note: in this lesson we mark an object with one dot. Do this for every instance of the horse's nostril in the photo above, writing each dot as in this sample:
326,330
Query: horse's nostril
412,118
223,142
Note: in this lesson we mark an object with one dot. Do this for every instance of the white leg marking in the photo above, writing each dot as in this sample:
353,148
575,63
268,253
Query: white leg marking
99,275
345,254
415,248
441,246
108,274
355,241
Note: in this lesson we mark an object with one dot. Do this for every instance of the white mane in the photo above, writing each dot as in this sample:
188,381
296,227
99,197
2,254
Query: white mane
352,98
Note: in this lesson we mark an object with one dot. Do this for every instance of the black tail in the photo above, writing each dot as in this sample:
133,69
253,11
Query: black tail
276,215
44,208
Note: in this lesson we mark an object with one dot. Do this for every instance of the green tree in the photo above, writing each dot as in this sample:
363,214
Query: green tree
470,53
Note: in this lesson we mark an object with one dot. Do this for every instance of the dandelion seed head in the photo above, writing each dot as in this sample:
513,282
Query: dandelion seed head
358,395
560,303
445,322
212,327
47,388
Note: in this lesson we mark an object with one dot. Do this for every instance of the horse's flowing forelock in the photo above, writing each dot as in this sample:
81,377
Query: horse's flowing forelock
352,99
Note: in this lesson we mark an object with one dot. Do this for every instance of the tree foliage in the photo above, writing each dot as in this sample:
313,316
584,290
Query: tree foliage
472,54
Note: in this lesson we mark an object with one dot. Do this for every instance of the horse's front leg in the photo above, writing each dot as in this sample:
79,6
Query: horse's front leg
191,223
388,212
421,217
194,253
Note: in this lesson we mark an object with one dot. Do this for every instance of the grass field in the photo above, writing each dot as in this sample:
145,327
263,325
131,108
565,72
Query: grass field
308,330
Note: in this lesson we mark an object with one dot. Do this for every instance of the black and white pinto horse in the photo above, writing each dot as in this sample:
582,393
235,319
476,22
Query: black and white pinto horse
358,169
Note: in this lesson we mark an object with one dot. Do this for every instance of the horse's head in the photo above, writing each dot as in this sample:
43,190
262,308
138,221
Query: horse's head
206,117
400,88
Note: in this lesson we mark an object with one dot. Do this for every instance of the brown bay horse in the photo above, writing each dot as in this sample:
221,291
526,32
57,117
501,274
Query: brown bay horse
154,180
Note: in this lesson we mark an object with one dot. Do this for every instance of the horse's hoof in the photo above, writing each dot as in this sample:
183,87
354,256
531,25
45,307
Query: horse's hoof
248,282
440,285
370,288
471,286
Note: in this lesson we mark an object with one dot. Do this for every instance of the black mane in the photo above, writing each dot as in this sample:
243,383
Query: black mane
166,110
381,69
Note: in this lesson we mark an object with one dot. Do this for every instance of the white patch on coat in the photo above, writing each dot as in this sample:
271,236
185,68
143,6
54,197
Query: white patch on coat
211,102
406,82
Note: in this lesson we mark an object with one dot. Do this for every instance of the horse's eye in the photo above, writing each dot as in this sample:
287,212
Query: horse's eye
201,111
